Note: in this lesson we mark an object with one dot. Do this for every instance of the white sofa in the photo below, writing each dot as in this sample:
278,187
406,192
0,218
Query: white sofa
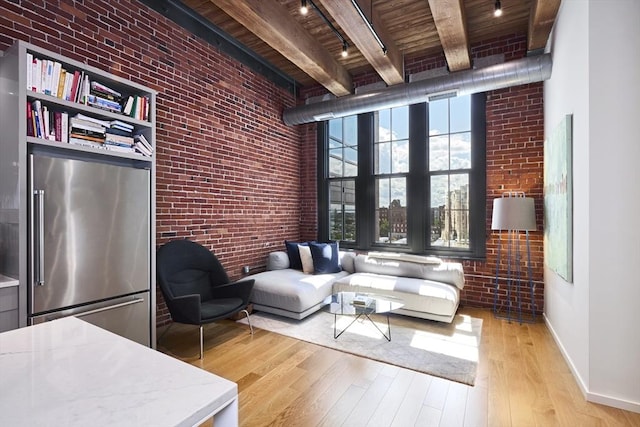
429,287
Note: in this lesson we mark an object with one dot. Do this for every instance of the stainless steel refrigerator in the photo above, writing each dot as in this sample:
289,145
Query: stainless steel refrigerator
90,244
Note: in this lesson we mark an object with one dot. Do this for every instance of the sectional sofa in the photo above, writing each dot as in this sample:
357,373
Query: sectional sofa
429,287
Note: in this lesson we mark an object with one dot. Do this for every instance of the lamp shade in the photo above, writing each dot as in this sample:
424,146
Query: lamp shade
513,213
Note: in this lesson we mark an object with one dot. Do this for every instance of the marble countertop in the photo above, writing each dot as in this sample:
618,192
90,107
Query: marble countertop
5,281
68,372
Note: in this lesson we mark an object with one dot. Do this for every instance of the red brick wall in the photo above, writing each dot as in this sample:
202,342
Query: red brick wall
228,169
515,136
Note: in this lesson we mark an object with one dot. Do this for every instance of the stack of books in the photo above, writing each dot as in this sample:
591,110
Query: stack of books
142,145
360,301
87,131
103,97
119,137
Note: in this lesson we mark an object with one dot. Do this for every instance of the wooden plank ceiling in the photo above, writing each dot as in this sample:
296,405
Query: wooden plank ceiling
307,49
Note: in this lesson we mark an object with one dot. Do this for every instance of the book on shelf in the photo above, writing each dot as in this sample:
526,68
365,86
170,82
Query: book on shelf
117,124
103,123
39,123
119,148
102,103
142,145
44,123
64,117
30,122
61,81
29,71
55,78
87,133
80,127
45,119
48,69
66,88
77,123
125,141
141,138
118,131
84,142
85,137
142,149
99,87
73,90
84,89
57,123
128,106
136,106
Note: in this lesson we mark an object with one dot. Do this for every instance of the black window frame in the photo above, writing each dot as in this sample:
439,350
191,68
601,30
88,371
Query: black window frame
418,185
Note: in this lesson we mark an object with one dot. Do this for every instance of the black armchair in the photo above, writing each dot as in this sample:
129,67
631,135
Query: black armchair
195,286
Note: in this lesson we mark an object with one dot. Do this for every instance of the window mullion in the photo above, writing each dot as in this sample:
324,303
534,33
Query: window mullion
417,179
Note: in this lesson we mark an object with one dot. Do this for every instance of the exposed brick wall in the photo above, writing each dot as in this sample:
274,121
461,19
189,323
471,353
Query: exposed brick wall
228,169
515,136
309,195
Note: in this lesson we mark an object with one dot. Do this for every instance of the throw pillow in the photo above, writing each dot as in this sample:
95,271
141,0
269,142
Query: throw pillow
277,260
306,259
325,257
294,254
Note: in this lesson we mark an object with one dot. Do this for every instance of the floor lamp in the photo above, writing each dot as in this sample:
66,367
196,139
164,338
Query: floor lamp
513,213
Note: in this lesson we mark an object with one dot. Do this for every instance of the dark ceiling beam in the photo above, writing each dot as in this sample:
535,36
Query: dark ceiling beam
389,65
451,25
541,18
273,24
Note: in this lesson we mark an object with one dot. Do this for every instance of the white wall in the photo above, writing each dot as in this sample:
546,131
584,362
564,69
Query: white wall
596,77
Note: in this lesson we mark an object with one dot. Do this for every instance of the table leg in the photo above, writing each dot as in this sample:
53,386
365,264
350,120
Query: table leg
388,327
335,323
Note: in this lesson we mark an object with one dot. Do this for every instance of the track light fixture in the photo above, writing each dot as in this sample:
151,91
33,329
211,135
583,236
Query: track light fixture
369,25
303,10
497,9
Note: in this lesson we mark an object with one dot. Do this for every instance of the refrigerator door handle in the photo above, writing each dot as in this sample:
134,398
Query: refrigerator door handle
111,307
39,238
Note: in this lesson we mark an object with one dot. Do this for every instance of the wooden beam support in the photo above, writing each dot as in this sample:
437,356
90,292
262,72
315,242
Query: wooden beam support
389,66
273,24
451,24
543,15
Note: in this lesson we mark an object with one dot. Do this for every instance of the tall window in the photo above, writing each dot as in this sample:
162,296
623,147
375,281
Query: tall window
391,166
343,169
408,179
449,160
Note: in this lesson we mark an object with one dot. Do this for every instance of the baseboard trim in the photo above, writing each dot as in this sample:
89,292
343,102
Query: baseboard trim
614,402
589,396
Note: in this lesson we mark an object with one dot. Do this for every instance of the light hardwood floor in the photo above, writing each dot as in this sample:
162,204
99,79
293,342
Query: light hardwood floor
522,380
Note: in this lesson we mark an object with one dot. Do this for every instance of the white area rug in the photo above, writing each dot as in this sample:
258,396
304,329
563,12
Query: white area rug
441,349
